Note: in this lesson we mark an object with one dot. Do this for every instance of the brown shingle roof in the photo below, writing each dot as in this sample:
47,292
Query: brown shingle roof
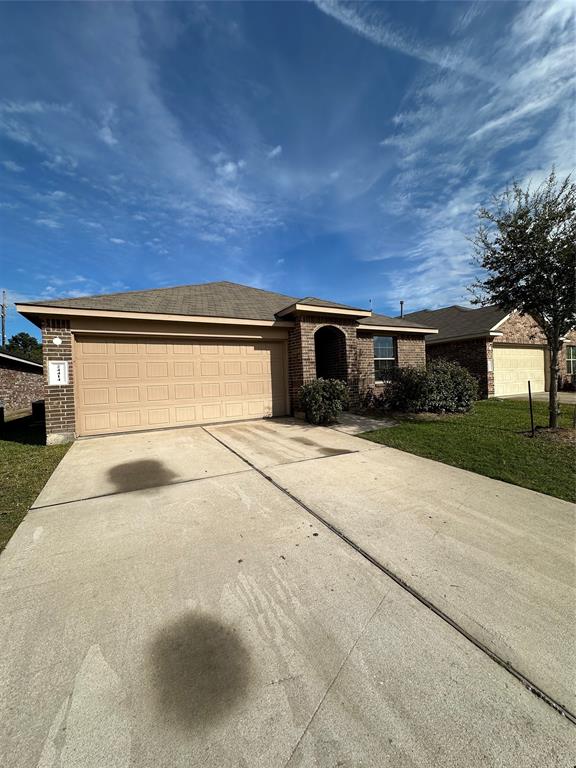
221,299
396,322
455,321
313,301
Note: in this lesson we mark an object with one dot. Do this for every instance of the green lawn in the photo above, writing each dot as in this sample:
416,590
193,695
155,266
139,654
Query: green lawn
490,441
25,466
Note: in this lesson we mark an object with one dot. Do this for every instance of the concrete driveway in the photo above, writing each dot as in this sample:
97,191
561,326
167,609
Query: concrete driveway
564,398
166,604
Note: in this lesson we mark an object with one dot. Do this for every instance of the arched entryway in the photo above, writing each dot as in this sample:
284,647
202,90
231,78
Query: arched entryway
330,349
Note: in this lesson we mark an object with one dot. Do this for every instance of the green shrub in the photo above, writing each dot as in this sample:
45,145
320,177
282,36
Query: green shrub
323,400
453,389
443,387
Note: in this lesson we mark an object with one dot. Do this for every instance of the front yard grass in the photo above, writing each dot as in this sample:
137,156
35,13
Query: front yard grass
492,440
25,466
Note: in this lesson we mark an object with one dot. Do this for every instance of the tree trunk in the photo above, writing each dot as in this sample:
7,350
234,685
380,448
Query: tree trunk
553,401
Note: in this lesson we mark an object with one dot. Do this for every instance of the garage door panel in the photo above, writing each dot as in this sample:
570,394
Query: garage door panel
96,396
188,382
186,414
123,349
157,392
127,370
127,394
514,367
127,419
184,369
158,417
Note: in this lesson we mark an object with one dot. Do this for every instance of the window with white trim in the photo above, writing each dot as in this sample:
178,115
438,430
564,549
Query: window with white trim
571,360
384,357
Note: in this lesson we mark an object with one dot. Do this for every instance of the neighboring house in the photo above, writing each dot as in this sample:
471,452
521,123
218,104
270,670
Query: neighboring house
21,382
504,350
204,353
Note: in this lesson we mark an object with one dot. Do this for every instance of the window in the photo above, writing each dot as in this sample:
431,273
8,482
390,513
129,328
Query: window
384,357
571,360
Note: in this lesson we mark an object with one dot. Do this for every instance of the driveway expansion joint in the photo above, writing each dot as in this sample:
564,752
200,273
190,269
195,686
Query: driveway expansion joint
137,490
501,662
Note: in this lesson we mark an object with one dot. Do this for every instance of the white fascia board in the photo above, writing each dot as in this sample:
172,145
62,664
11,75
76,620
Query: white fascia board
396,329
498,324
38,309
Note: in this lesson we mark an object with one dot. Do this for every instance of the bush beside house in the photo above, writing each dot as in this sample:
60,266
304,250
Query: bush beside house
323,400
442,387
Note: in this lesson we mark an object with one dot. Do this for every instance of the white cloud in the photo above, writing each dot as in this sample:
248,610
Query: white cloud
211,237
448,145
117,240
108,121
10,165
276,152
229,170
49,223
371,24
62,163
31,107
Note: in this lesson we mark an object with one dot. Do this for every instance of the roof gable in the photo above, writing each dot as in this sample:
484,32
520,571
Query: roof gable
218,299
457,321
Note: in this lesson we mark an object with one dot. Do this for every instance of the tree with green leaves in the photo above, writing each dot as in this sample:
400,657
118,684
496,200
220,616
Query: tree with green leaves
26,346
526,245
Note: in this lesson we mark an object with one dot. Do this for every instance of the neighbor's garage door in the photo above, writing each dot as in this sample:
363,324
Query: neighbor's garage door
514,367
124,385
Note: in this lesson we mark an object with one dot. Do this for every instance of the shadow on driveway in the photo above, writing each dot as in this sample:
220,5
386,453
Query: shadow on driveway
137,475
199,670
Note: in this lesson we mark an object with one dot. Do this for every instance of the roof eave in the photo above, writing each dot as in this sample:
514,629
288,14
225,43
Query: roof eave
21,360
396,328
34,313
322,310
466,337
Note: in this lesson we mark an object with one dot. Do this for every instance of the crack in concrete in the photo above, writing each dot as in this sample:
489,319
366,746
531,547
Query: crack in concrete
336,676
138,490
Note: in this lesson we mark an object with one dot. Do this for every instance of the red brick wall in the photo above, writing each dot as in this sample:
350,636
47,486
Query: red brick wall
475,354
359,351
19,386
302,355
519,329
411,351
522,329
472,354
60,410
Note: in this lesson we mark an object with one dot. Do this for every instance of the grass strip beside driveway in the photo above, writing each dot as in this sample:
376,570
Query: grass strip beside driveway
25,466
492,440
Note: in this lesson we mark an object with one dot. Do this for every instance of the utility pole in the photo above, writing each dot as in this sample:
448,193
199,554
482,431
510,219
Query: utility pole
3,319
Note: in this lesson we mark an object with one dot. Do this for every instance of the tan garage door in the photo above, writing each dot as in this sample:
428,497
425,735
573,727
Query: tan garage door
129,384
514,367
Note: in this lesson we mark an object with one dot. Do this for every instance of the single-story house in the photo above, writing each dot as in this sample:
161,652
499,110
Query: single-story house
504,350
205,353
21,382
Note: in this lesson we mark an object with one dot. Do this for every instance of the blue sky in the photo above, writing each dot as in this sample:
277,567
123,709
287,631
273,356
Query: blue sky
315,148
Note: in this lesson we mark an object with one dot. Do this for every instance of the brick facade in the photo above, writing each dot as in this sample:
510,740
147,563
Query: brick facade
472,354
60,410
410,351
20,384
477,354
359,368
520,329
